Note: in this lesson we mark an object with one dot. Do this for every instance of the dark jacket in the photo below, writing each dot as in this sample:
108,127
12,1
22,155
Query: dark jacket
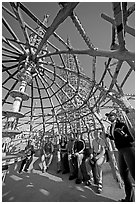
79,145
29,150
121,135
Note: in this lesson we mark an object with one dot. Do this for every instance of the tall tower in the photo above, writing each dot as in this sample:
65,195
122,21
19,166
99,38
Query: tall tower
84,88
25,76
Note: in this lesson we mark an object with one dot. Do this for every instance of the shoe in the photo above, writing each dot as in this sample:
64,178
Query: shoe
78,181
71,177
99,188
123,200
19,172
88,183
99,191
44,170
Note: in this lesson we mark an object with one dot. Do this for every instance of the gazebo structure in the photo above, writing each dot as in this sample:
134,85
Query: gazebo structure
45,88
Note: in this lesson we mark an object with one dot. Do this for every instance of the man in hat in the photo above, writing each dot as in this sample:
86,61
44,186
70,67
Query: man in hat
124,142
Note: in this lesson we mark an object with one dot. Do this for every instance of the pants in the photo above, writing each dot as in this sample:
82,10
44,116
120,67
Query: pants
72,165
90,169
82,172
46,160
64,161
126,163
58,160
26,161
95,171
98,169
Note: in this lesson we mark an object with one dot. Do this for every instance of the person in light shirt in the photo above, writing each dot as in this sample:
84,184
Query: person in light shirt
96,159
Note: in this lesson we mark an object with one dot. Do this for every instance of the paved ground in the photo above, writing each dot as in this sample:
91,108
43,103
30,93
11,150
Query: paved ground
35,186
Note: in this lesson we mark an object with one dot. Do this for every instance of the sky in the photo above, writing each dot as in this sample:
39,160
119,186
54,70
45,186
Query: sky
98,30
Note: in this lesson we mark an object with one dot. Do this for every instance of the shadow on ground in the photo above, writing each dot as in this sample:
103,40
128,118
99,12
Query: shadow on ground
49,187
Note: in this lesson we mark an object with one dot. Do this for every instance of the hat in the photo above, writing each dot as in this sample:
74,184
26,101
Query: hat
110,114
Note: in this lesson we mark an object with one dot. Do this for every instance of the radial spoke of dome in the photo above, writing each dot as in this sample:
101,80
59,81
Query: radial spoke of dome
46,90
10,77
58,67
28,112
10,56
27,119
4,100
119,24
102,94
47,124
124,55
54,68
46,76
98,101
93,70
128,29
8,68
43,82
9,12
81,76
105,71
7,61
103,104
11,31
131,64
38,125
16,10
116,83
6,41
81,30
78,74
124,9
36,20
130,10
10,51
92,93
115,74
80,116
17,119
42,110
61,79
4,87
31,105
22,124
95,102
60,88
61,16
126,77
17,42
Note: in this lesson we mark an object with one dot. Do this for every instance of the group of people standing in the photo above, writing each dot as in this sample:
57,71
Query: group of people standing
45,155
84,164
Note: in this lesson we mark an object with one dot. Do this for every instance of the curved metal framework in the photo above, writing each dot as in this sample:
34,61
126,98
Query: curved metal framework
46,77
